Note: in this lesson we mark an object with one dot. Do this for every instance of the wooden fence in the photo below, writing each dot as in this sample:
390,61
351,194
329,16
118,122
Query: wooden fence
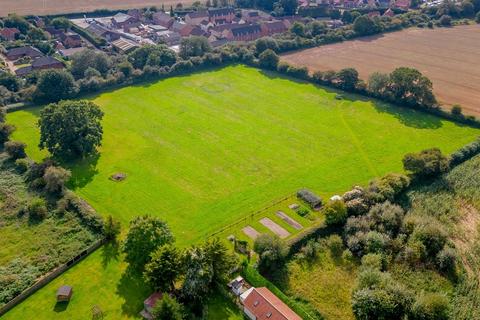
44,280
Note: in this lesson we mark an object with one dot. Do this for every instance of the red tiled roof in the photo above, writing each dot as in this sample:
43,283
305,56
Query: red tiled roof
262,303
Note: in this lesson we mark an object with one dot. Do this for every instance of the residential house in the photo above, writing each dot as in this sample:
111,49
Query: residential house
221,15
102,31
237,285
20,52
162,19
206,25
9,34
66,53
243,32
170,38
136,14
262,304
71,40
272,27
373,14
54,32
42,63
402,4
149,304
251,16
194,18
121,19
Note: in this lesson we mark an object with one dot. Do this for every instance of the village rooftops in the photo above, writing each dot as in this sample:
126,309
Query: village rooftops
215,12
121,17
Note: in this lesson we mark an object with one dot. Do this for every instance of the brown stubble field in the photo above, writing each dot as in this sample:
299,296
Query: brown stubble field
450,57
45,7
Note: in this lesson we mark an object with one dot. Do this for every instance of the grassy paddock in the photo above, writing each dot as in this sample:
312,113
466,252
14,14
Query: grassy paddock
203,150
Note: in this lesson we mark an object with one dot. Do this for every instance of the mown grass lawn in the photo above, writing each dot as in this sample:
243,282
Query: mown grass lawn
205,150
201,151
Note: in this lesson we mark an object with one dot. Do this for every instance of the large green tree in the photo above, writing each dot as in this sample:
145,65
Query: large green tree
70,129
152,55
409,86
164,268
145,235
272,252
347,78
85,59
54,85
198,274
194,46
364,25
427,163
268,59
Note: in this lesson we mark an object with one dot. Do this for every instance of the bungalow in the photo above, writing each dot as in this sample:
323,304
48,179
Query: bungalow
194,18
244,32
273,27
162,19
121,19
20,52
262,304
221,15
149,304
9,34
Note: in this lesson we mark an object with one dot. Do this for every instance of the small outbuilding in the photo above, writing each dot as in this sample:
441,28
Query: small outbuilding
313,200
64,293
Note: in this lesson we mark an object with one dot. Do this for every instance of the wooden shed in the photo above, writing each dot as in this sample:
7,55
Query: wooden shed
64,293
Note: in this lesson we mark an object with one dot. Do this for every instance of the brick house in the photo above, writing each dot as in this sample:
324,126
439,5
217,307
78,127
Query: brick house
194,18
121,19
262,304
221,15
162,19
244,32
9,34
272,27
102,31
41,63
71,40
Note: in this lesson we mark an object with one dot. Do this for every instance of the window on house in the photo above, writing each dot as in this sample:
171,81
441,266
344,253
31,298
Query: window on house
269,315
255,303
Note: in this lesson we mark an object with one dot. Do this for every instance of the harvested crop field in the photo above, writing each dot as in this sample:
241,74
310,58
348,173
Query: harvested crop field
448,56
44,7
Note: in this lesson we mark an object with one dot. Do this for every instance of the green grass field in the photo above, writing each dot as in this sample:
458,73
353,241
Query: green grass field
201,151
205,150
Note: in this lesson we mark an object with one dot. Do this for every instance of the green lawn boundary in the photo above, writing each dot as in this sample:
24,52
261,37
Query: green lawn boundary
44,280
253,277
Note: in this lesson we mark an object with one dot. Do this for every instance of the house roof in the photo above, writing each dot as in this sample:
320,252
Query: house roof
220,11
262,303
25,51
121,17
23,70
275,25
152,300
162,17
246,29
124,44
197,14
9,31
64,291
44,61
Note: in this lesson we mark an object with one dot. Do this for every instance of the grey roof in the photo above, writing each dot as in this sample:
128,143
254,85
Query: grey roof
64,291
121,17
246,29
44,61
198,14
220,11
26,51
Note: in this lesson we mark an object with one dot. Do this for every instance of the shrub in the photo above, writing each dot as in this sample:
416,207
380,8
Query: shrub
302,211
456,110
15,149
427,163
335,212
268,59
111,228
271,250
430,306
446,259
37,208
432,235
372,261
22,165
5,131
55,179
465,153
335,244
445,20
477,17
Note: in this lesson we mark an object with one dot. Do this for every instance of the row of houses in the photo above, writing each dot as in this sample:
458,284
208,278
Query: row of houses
356,4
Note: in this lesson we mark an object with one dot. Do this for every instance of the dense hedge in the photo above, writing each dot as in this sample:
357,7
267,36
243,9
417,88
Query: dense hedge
465,153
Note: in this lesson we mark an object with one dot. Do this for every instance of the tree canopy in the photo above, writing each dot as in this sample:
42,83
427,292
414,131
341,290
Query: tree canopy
70,129
54,85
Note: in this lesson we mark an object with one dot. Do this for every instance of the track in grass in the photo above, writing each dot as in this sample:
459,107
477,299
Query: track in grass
204,150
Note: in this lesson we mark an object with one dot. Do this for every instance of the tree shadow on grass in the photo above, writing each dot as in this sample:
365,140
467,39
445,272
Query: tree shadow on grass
83,171
61,306
133,289
110,251
409,117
